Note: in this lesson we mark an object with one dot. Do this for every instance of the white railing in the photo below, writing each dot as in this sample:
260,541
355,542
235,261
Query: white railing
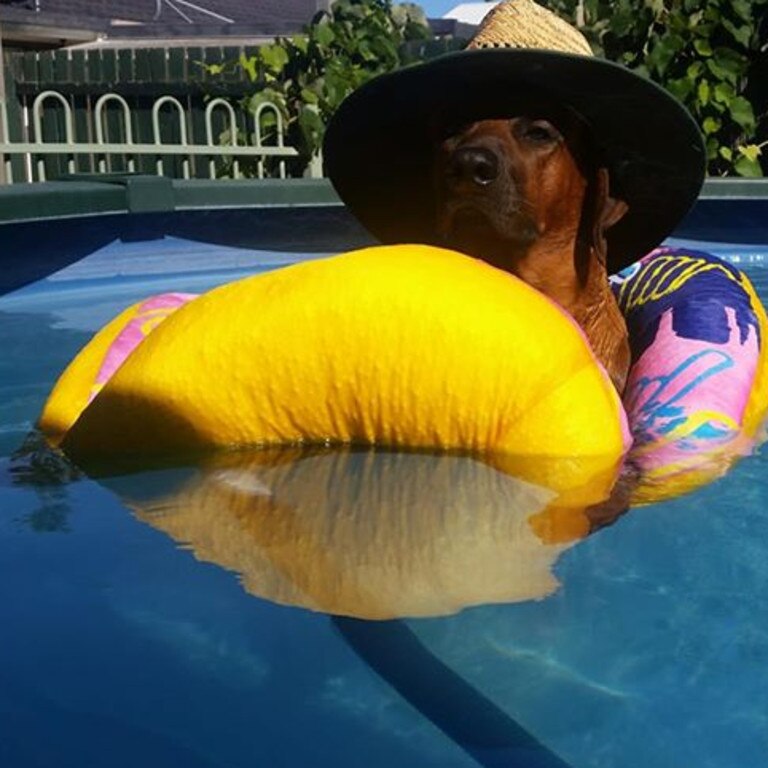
101,149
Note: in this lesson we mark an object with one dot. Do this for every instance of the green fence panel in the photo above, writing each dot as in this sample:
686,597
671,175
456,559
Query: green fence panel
82,108
77,69
139,76
93,68
15,115
109,68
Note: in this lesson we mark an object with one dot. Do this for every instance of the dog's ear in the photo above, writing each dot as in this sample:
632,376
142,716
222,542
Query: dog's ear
606,211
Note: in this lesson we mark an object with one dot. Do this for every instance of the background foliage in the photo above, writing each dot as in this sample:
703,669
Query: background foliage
308,76
711,54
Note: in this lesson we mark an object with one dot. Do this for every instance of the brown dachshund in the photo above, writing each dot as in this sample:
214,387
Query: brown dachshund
525,195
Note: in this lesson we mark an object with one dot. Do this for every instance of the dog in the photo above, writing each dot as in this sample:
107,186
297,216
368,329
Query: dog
526,195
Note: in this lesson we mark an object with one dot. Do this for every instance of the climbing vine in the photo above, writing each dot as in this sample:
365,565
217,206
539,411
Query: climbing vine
711,54
308,76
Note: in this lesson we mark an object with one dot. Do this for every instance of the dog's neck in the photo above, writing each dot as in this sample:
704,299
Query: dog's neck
583,290
553,266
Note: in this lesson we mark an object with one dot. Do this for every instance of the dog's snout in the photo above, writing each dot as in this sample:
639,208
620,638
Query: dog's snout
473,164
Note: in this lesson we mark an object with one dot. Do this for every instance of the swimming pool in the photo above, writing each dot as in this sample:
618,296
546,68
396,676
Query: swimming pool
147,620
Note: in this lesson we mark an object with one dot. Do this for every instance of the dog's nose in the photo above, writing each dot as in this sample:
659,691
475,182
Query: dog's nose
474,164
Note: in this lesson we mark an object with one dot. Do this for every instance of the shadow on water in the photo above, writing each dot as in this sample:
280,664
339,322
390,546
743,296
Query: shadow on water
474,723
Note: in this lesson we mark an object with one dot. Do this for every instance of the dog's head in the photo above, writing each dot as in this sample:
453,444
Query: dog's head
528,195
506,186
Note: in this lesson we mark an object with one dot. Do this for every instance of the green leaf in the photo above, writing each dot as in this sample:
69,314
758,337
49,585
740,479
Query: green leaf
622,22
741,34
268,119
664,51
250,64
711,125
324,35
702,46
742,113
310,121
266,96
712,13
301,43
731,58
310,97
703,92
681,88
743,9
275,57
746,167
676,20
719,72
721,109
726,153
724,93
750,151
366,51
386,50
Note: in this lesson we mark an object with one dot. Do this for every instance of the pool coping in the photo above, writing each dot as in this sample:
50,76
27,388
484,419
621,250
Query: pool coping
101,194
94,195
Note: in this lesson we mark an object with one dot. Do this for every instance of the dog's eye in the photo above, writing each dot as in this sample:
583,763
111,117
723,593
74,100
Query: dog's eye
538,131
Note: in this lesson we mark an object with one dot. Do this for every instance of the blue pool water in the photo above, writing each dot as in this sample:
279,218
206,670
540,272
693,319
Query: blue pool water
139,625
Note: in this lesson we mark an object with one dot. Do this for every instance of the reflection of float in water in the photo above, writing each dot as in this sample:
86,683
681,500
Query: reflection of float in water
365,533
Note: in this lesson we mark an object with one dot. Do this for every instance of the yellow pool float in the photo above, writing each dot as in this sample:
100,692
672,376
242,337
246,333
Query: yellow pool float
410,347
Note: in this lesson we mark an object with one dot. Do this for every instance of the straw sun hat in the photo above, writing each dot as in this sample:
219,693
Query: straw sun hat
379,145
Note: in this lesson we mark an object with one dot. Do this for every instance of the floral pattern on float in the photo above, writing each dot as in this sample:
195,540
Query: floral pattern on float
148,316
696,391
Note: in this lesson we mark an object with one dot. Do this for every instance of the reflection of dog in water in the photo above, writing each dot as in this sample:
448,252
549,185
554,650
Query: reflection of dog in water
370,534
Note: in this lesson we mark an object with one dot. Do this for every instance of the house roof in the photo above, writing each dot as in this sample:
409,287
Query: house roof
22,27
469,13
64,22
174,11
146,23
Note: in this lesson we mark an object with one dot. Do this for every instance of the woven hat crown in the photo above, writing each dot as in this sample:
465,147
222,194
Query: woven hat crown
524,24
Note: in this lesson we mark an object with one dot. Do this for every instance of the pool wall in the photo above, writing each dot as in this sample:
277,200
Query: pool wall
46,226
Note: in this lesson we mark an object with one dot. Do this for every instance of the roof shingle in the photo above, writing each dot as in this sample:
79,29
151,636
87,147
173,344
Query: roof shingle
197,11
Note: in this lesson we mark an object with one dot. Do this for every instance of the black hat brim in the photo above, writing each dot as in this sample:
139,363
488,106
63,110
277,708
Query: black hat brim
379,146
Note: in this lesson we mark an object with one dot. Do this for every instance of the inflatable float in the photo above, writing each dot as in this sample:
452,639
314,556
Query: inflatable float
417,348
697,392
